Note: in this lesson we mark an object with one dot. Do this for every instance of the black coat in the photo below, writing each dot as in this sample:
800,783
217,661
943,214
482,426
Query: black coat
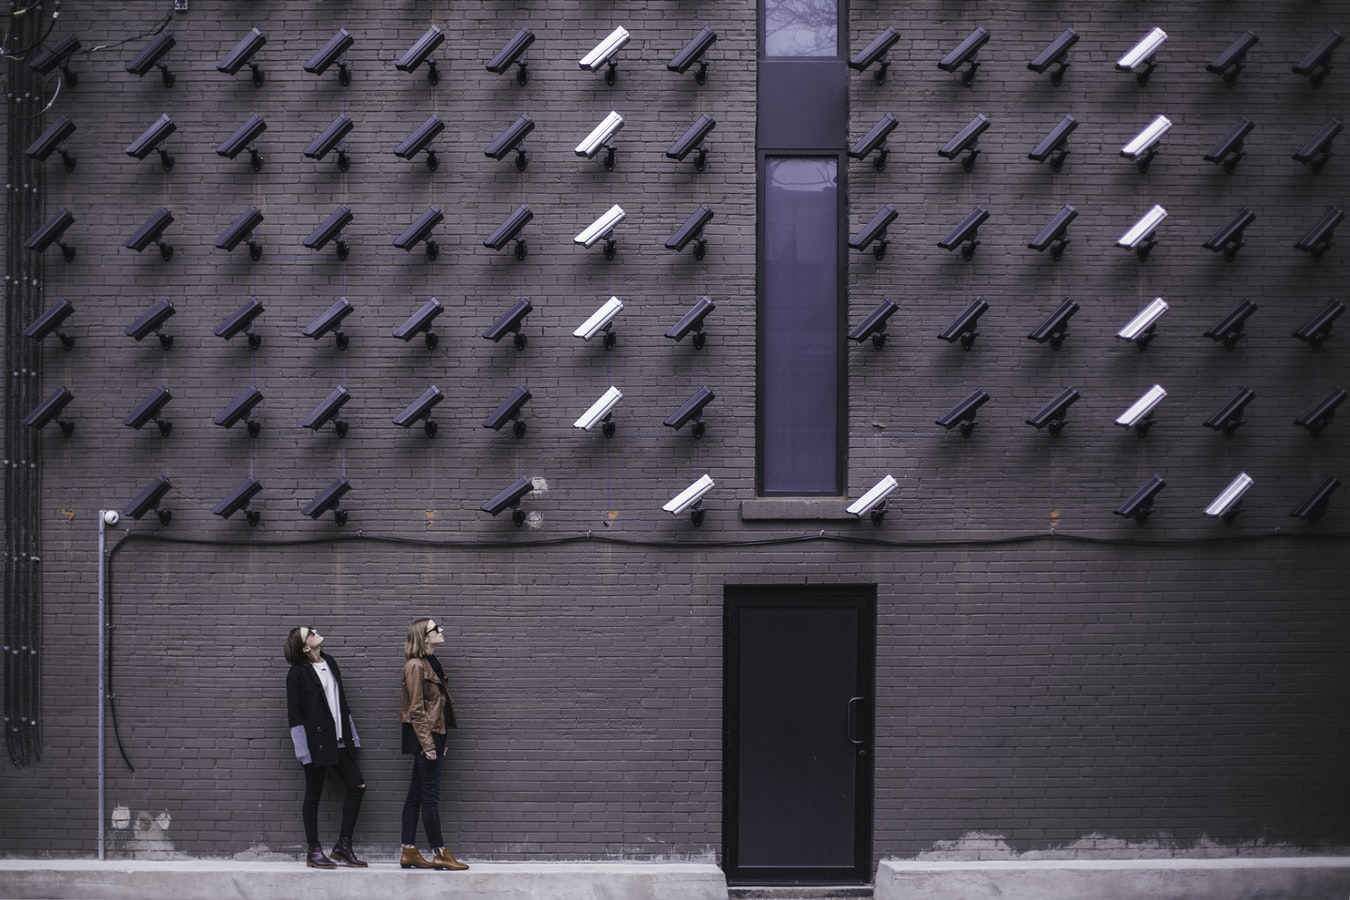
313,731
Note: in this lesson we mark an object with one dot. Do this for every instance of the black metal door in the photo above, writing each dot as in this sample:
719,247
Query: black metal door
798,726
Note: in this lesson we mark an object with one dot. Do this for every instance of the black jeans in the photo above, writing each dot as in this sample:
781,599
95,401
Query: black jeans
315,776
424,797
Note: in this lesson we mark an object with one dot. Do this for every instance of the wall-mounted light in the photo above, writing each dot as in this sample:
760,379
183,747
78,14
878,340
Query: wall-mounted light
966,235
1317,62
1228,151
602,55
1317,149
1052,415
509,498
331,229
962,415
1139,414
1055,234
1144,146
692,230
511,139
50,409
1228,503
1054,328
1139,505
1140,236
1318,239
966,141
420,323
963,54
420,410
420,52
242,231
873,501
152,322
874,324
240,320
1056,54
50,141
149,500
50,323
244,137
695,50
1316,330
242,54
510,322
239,500
57,55
329,499
603,227
691,411
1320,414
1228,418
239,409
1140,330
420,230
692,321
1229,238
600,138
874,232
330,138
331,320
150,139
330,53
149,410
962,328
150,232
601,321
510,55
1140,59
694,137
509,230
329,410
420,140
1054,146
875,53
690,500
1314,506
51,232
601,411
1230,328
875,141
509,411
1230,62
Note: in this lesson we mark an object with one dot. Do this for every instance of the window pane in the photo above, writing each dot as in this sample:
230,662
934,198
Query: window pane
799,328
801,27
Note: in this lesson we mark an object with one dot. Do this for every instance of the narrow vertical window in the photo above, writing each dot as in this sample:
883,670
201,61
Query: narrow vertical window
801,28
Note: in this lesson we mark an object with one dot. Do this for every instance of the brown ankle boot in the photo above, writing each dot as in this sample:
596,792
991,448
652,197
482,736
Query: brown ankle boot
412,858
444,859
343,853
316,859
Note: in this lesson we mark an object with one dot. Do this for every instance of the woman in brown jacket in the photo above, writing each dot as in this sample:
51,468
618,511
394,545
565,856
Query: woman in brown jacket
426,712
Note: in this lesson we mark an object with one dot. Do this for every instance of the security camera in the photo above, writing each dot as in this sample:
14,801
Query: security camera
695,50
1229,329
962,328
509,323
1144,146
1055,327
603,54
962,415
1051,416
149,409
243,137
873,502
111,517
57,55
1139,505
151,321
692,230
420,323
1317,63
511,54
511,139
691,411
1139,237
420,409
600,137
239,499
1139,414
1229,417
966,235
1317,150
1055,54
1229,63
602,227
1322,412
420,140
1318,239
1139,58
329,229
601,321
149,499
242,53
150,139
329,53
1055,234
1228,151
331,320
875,52
50,141
694,136
509,498
329,139
1314,506
964,55
1140,329
330,498
50,322
690,499
1316,330
50,409
242,230
327,411
875,141
509,411
420,52
874,325
874,232
509,230
420,230
1054,145
240,320
152,232
1229,237
1229,502
601,411
692,321
239,409
966,141
51,232
150,56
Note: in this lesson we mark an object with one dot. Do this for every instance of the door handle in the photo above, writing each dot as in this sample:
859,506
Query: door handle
853,704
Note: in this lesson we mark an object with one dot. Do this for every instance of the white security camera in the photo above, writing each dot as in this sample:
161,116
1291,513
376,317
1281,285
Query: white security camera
600,319
690,496
111,517
874,500
604,51
1141,411
601,226
1229,502
1139,58
1144,145
599,410
1139,237
1139,330
600,135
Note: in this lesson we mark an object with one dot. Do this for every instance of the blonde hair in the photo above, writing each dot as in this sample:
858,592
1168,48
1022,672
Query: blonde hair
416,646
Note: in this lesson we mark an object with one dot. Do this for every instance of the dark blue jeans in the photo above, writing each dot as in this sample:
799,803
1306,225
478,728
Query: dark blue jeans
424,797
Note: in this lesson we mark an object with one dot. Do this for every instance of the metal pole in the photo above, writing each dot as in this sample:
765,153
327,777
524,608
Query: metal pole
103,516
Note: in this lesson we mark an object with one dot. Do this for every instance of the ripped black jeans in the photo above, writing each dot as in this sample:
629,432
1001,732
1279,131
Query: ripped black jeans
350,773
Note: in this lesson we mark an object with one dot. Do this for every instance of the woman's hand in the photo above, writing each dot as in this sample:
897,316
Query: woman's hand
430,755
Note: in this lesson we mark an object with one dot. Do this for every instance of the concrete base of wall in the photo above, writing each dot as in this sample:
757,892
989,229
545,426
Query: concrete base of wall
224,880
1282,878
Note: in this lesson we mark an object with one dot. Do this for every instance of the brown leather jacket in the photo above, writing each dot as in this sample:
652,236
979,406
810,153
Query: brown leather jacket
426,704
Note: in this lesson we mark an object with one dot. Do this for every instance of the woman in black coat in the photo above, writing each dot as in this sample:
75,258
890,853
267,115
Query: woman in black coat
324,736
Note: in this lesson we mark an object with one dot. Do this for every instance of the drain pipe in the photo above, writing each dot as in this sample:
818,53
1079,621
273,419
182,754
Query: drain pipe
106,517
